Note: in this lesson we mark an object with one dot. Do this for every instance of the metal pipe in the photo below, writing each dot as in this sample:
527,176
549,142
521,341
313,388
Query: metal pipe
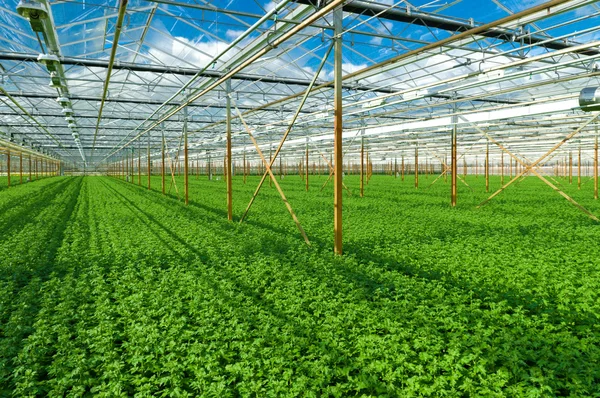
229,47
284,37
111,61
418,17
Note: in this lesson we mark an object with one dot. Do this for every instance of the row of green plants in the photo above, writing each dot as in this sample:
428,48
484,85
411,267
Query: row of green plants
15,179
109,289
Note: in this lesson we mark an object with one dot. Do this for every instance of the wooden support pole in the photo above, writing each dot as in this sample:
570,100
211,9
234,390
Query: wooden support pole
596,165
8,167
443,168
162,163
186,186
502,168
367,166
209,168
271,163
337,131
570,167
228,152
487,167
131,171
148,161
417,166
362,166
245,170
307,168
139,165
579,168
402,168
454,166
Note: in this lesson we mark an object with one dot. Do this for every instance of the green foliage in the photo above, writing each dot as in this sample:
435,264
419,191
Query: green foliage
108,289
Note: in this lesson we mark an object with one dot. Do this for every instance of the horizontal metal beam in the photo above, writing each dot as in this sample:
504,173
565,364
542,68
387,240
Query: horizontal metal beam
133,101
161,69
450,24
212,74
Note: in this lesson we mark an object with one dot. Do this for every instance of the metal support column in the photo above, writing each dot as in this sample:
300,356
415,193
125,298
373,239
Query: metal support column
337,131
30,168
20,167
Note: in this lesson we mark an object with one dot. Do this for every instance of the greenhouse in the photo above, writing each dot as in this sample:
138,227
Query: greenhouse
290,198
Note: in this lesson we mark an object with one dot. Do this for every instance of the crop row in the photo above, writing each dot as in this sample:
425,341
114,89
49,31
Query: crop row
140,295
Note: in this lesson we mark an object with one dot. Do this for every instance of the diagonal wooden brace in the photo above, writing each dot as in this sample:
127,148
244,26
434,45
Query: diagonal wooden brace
447,168
270,172
287,132
331,170
533,166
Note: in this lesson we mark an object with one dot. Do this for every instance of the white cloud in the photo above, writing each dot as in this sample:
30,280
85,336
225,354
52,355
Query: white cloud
376,41
233,34
270,6
181,51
